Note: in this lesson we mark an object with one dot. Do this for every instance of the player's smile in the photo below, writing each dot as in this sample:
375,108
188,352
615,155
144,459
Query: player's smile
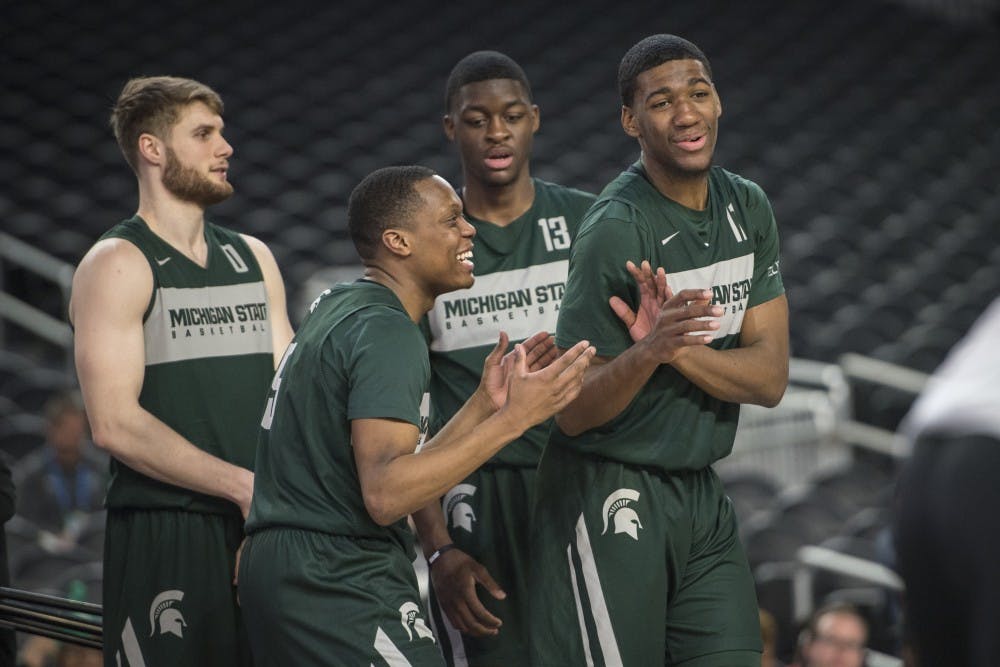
675,116
465,259
691,144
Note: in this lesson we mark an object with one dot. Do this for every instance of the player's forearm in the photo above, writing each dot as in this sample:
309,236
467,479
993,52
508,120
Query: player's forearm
755,374
608,387
431,528
410,482
147,445
472,413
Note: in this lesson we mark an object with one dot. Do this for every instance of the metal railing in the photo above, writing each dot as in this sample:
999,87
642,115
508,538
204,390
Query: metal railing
50,616
32,318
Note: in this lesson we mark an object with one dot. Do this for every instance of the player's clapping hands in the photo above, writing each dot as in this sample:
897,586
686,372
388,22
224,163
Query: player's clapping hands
665,321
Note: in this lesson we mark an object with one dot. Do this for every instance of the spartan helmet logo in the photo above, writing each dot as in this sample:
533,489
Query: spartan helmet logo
458,512
409,616
165,614
425,420
616,507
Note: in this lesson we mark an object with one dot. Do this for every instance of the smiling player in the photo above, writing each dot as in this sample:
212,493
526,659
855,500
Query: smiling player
638,560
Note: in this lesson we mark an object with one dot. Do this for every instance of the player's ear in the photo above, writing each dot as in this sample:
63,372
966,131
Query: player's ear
628,122
449,126
151,149
537,121
396,241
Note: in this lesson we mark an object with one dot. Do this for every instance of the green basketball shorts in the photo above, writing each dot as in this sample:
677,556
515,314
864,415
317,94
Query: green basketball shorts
634,567
316,599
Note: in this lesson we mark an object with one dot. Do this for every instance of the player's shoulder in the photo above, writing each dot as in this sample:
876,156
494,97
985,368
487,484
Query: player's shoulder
363,301
565,193
259,249
622,200
116,254
114,274
382,327
749,193
356,312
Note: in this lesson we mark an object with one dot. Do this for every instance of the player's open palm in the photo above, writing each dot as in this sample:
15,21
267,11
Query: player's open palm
653,293
667,322
540,350
533,397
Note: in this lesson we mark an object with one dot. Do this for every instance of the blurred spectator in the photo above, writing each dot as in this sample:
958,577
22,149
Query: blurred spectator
835,636
947,546
769,638
43,652
71,655
64,478
6,512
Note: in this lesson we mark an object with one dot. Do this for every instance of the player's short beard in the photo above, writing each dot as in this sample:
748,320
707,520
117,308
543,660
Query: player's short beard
187,184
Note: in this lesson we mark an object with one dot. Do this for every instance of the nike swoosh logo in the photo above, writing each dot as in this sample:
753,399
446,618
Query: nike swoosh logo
163,261
667,240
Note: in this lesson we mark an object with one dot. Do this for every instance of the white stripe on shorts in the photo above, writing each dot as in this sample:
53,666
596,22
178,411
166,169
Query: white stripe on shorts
598,605
388,650
130,643
579,608
458,656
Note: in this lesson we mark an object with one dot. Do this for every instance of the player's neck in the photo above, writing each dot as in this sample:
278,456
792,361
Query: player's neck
690,190
500,205
410,292
179,223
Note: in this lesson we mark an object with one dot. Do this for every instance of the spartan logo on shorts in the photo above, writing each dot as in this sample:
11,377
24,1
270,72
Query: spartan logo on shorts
165,614
458,513
625,519
409,616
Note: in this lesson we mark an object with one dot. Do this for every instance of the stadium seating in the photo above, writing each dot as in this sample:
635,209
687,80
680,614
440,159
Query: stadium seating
877,148
20,434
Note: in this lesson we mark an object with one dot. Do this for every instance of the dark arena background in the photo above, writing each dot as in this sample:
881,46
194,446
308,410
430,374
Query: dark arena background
873,127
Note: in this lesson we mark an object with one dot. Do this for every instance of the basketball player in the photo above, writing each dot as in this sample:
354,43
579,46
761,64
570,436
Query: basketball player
326,576
524,227
637,559
178,326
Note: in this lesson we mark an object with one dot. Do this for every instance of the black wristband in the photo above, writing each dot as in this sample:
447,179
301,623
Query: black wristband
440,550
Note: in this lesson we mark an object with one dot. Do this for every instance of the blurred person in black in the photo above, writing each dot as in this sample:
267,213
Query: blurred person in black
6,512
946,541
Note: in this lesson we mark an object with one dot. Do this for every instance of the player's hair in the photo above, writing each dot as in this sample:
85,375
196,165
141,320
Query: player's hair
152,104
651,52
382,200
483,66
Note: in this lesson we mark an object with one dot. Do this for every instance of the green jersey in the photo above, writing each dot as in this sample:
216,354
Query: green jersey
208,349
520,279
357,355
731,248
